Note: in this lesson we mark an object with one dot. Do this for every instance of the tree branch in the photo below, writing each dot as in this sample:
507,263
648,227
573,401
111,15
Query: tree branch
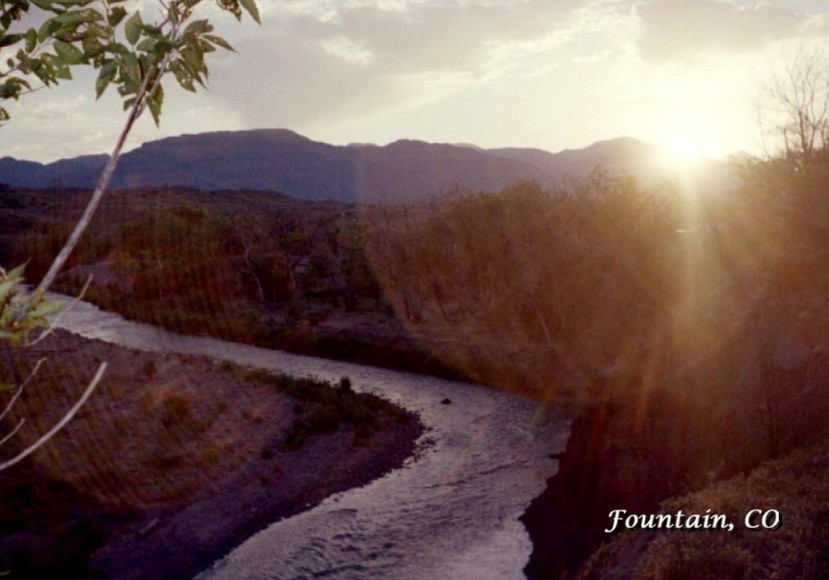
58,426
20,389
145,92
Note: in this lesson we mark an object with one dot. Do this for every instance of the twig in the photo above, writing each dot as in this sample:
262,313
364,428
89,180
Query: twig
20,389
13,431
145,92
66,418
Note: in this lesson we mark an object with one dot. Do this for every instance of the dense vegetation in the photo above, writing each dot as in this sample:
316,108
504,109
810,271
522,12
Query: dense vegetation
535,289
249,267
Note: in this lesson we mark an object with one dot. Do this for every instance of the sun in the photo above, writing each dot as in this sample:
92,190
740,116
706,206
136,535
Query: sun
683,149
682,152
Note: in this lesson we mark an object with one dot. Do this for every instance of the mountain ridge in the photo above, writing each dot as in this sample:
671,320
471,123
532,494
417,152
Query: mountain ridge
281,160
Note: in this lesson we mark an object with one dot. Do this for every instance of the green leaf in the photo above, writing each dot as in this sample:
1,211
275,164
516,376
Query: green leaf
185,80
219,41
205,47
98,31
6,290
198,27
9,90
92,47
193,58
46,29
250,6
63,73
101,84
36,297
117,48
31,40
72,19
68,53
132,29
109,69
12,278
73,2
17,273
161,48
46,308
10,39
117,15
7,315
154,104
146,45
42,72
13,338
130,74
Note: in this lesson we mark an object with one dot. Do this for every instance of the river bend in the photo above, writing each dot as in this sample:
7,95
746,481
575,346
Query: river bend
450,512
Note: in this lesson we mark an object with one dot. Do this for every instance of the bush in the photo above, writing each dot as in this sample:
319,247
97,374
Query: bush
177,410
150,369
324,419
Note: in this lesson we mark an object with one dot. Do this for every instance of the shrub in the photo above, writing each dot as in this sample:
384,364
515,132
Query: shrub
324,419
177,410
149,369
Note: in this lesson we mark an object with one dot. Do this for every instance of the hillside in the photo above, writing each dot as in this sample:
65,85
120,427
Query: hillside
795,487
166,443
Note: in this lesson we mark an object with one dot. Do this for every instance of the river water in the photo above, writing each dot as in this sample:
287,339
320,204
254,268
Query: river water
450,512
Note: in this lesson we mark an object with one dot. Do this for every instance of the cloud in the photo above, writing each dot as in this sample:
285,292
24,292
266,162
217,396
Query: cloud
65,110
347,50
314,60
676,30
406,37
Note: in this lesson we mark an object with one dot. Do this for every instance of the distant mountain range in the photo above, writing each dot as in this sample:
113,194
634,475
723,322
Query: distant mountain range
402,172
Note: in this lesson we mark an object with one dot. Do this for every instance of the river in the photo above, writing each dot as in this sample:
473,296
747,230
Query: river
451,511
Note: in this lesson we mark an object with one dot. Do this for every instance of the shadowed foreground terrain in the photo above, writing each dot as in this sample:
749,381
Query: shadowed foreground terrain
796,487
175,460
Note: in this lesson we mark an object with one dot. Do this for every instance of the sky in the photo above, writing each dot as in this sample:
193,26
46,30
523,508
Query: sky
549,74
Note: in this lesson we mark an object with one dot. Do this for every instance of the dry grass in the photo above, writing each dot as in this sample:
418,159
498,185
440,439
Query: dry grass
796,486
159,428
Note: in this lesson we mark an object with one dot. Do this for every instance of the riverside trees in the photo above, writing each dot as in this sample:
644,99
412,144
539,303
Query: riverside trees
42,40
526,271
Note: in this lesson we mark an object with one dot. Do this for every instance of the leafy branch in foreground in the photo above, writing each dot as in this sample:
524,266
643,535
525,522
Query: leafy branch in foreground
21,315
102,33
130,54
